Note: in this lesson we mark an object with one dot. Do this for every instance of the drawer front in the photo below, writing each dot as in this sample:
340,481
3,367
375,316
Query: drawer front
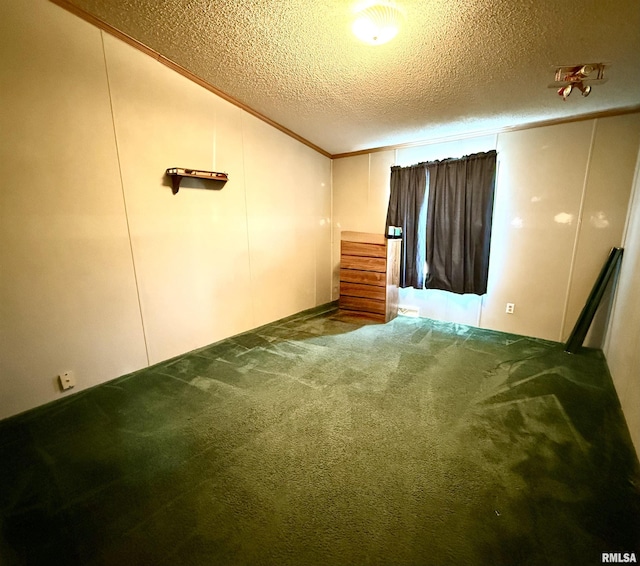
359,248
365,291
362,304
356,316
363,277
364,263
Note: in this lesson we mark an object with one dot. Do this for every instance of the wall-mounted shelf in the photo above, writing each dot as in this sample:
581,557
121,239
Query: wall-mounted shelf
177,174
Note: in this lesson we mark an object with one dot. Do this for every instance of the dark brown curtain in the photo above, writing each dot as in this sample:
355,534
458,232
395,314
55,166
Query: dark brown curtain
459,215
407,210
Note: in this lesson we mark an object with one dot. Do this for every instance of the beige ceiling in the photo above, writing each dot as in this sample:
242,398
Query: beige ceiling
457,66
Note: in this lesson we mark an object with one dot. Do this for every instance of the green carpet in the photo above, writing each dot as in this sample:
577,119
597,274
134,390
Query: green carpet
317,441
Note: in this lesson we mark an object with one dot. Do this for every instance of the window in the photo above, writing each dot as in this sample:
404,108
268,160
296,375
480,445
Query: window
453,235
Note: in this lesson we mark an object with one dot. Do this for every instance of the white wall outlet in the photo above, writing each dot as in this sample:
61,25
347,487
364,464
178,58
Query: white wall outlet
510,308
67,380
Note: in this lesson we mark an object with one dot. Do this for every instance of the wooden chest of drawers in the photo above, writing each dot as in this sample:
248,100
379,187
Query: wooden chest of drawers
369,274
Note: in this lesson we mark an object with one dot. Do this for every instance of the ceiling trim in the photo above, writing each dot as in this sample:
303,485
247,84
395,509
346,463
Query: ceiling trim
540,124
97,22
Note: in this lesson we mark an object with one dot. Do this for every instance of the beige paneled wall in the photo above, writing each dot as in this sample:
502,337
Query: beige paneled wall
622,345
163,120
608,185
287,187
360,198
551,181
67,288
102,269
538,194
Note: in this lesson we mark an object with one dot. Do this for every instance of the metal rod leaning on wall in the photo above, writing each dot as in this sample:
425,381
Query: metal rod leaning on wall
588,312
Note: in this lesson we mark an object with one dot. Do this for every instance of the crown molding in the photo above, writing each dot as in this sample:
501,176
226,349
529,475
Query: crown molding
97,22
539,124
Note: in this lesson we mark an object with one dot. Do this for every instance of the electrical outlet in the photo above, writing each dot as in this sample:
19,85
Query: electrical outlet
510,308
67,380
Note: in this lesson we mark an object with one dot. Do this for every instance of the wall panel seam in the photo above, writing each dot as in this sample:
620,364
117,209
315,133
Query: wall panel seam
124,200
246,217
576,240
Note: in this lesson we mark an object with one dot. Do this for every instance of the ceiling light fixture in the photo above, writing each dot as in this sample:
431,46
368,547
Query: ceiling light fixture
581,77
377,22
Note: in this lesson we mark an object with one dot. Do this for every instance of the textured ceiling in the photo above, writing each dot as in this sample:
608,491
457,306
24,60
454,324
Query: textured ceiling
456,67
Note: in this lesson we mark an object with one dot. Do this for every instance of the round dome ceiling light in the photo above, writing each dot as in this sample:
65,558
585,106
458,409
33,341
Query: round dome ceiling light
377,22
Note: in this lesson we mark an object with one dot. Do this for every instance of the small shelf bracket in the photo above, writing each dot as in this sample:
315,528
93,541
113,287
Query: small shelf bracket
177,174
